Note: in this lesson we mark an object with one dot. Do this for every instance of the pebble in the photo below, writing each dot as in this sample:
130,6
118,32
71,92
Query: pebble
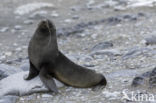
138,81
68,20
4,29
75,17
135,51
8,53
75,8
110,52
15,44
102,45
18,27
2,75
151,40
94,36
152,79
13,30
149,75
141,14
38,15
18,49
54,14
28,22
46,96
2,57
81,35
114,20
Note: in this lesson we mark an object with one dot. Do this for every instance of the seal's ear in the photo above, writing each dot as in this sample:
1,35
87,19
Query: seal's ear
48,80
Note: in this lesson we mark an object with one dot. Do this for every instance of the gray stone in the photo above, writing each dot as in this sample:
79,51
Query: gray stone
54,14
152,79
135,51
6,70
75,17
18,27
2,75
151,40
138,81
102,45
110,52
150,76
28,22
8,99
4,29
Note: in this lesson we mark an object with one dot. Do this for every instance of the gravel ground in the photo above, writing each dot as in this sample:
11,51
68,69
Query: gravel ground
107,39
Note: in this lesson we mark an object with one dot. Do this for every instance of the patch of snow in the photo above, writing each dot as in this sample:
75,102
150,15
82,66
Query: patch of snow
27,8
138,3
16,85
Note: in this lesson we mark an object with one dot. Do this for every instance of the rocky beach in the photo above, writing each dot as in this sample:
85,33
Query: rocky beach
114,37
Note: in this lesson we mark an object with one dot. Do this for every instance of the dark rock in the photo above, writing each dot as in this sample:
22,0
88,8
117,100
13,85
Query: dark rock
141,14
130,17
133,18
102,45
102,21
146,74
138,81
152,79
151,40
114,20
2,75
9,62
127,16
150,75
19,60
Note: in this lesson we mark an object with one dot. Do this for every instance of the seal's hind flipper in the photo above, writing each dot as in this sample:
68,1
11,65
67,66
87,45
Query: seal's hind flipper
48,80
33,72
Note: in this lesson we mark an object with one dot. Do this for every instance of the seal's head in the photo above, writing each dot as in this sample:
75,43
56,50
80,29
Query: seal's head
46,28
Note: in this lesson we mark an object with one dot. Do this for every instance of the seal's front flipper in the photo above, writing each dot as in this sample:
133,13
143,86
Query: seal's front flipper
48,80
33,72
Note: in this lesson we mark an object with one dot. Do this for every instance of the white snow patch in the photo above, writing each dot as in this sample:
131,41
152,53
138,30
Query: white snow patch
16,85
138,3
27,8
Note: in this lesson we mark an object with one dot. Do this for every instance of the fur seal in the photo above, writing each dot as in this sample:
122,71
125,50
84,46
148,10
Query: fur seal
75,75
42,51
47,61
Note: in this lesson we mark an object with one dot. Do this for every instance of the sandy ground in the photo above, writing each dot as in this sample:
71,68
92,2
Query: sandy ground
127,34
